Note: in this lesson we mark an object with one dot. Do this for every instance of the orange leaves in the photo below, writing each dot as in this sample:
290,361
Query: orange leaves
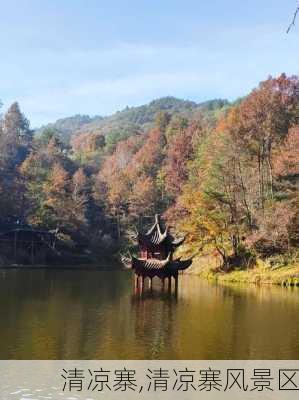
148,157
128,174
237,184
80,179
229,122
113,178
87,142
180,151
143,196
59,179
118,190
66,198
286,157
56,187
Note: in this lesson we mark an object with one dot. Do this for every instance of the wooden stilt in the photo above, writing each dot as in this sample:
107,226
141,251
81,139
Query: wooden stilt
169,283
150,285
176,278
135,282
142,284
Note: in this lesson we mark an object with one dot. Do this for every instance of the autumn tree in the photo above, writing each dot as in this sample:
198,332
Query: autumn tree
86,144
15,137
112,184
148,159
80,198
242,189
285,158
179,151
225,174
262,122
35,170
57,191
216,206
15,143
279,227
142,198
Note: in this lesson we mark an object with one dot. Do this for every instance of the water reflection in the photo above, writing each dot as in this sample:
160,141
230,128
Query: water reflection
89,314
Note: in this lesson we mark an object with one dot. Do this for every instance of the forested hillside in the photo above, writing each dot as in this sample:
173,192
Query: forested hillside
66,127
131,118
226,175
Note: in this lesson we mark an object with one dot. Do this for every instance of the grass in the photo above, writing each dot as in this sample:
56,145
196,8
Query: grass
264,272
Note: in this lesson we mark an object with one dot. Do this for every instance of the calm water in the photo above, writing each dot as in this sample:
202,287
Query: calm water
89,314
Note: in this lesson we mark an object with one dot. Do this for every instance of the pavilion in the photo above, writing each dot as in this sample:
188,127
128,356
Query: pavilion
156,248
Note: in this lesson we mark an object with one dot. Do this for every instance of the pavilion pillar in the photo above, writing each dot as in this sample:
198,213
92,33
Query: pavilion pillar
136,281
176,279
169,283
141,283
150,284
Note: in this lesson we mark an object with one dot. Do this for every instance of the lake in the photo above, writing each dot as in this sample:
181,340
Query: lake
94,314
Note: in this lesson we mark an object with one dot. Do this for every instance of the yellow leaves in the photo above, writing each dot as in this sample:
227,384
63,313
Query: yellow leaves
143,196
118,190
58,179
30,166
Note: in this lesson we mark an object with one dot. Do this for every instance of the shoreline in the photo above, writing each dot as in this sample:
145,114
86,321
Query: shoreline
105,264
261,274
61,267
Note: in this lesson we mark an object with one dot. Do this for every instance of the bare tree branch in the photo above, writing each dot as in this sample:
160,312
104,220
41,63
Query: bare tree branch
294,19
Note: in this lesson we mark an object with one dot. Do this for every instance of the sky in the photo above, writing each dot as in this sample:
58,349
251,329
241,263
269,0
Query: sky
66,57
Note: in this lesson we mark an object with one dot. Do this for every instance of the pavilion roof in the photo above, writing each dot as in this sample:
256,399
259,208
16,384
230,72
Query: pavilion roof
157,235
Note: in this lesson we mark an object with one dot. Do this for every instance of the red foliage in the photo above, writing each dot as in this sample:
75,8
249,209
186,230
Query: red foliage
147,160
